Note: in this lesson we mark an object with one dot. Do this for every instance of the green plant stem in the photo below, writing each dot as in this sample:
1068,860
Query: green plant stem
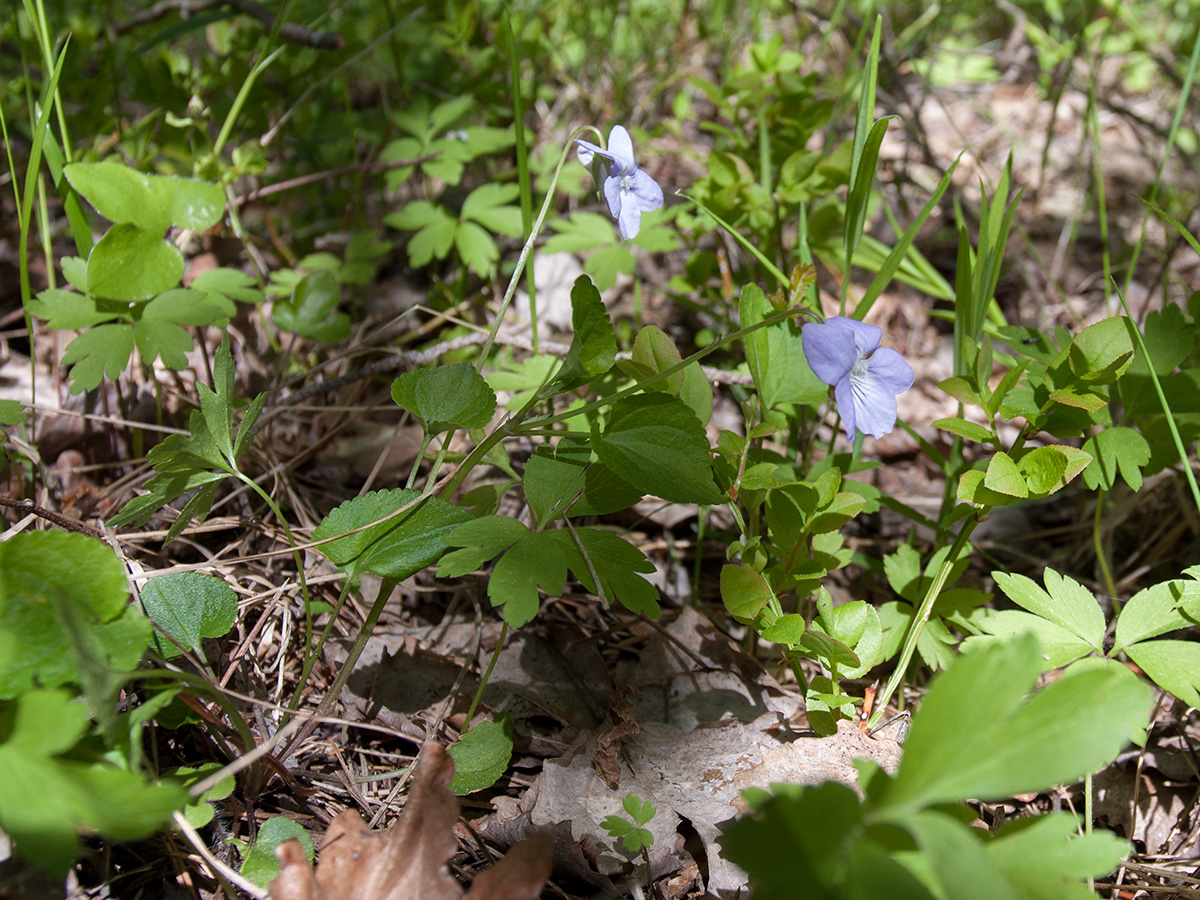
386,587
528,248
523,179
311,658
1162,400
291,539
921,617
737,236
1101,557
486,676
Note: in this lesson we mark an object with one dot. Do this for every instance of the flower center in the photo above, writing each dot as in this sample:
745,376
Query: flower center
627,184
858,371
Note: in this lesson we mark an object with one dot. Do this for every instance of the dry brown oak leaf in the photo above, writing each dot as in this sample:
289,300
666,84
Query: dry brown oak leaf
408,860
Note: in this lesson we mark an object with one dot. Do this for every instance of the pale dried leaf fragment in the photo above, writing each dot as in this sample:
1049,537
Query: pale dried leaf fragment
408,860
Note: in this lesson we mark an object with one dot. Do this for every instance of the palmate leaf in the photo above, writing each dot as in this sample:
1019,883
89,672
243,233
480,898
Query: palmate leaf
962,745
101,352
182,462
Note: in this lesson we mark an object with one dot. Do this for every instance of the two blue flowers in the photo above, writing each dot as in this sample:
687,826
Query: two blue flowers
842,352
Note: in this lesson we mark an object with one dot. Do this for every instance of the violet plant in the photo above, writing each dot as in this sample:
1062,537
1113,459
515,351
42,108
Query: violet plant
607,431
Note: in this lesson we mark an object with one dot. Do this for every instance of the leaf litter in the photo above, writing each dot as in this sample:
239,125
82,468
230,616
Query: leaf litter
684,719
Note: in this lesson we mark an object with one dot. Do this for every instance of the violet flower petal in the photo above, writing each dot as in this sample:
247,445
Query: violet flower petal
620,150
845,353
829,350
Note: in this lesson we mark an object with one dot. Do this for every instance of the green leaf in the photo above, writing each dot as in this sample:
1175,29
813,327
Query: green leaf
155,337
261,865
973,489
788,629
199,812
594,344
657,444
12,412
1172,665
396,548
480,540
1004,477
1102,352
554,477
807,827
1064,601
476,248
310,311
189,606
582,231
481,756
776,355
132,263
64,615
1059,645
1045,857
229,283
976,735
1114,450
155,202
969,430
101,352
856,625
435,231
843,507
488,205
656,352
1158,609
74,269
639,810
744,592
604,492
535,560
1051,468
619,565
956,859
67,310
445,397
48,797
604,265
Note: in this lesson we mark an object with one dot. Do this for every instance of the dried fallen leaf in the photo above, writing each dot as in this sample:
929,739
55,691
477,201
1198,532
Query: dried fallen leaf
408,860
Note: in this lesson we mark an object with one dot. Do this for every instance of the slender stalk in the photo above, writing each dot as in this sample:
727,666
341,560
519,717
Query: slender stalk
335,689
920,617
486,676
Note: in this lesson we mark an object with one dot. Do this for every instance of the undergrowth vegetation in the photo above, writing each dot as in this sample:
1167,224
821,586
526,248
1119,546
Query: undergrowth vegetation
825,378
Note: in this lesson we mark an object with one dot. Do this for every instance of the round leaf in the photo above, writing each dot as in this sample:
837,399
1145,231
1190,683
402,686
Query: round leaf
133,263
189,606
446,397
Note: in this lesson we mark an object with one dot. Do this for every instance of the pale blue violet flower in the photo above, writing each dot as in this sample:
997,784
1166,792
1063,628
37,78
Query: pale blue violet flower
628,190
866,378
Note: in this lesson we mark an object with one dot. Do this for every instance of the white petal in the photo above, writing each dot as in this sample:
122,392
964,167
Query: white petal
874,405
620,150
890,369
645,192
612,193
